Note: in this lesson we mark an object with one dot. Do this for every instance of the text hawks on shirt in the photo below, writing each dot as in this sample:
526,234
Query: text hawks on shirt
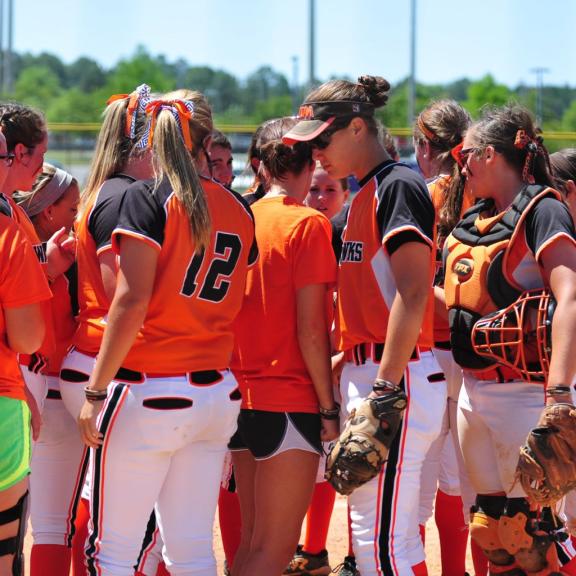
352,252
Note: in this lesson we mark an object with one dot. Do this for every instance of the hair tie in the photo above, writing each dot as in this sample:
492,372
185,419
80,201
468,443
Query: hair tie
181,110
533,147
137,102
35,202
426,131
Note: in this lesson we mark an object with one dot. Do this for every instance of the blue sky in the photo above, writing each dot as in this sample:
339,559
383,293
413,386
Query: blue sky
456,38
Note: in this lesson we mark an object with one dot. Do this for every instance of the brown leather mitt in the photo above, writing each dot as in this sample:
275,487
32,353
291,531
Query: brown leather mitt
547,464
363,446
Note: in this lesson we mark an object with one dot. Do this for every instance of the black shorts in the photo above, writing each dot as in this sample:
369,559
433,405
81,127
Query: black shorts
267,434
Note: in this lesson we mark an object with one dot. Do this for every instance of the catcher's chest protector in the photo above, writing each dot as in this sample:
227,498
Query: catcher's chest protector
478,279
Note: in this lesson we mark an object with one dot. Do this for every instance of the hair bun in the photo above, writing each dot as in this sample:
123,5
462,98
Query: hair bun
376,89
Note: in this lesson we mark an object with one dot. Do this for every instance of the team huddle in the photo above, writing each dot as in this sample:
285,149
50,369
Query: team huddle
172,348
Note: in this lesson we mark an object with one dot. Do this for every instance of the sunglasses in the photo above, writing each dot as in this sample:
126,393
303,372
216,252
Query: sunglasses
8,158
322,141
461,154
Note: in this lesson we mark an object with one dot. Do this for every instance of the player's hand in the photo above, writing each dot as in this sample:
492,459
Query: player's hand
337,366
60,253
330,430
89,433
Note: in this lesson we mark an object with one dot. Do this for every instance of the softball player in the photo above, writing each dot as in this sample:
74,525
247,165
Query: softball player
384,284
22,286
521,226
161,404
26,139
438,129
119,160
282,359
327,195
52,205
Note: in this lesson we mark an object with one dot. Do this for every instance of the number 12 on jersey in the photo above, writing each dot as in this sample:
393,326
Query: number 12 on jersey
215,286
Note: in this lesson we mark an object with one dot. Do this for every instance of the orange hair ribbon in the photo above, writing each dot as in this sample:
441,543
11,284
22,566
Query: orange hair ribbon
182,111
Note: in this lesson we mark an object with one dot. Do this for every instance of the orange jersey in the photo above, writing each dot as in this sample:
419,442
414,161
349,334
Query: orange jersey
22,282
16,213
438,187
196,297
295,248
393,206
94,233
64,323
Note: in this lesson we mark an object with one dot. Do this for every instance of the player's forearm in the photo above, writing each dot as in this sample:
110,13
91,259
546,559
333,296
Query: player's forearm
315,348
404,325
563,362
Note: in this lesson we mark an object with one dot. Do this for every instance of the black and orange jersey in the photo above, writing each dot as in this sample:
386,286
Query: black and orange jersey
22,282
94,233
294,242
196,296
392,207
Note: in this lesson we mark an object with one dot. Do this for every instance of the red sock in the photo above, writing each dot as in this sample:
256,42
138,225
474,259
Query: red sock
49,560
478,559
162,570
453,533
420,569
79,540
318,517
422,528
350,547
230,523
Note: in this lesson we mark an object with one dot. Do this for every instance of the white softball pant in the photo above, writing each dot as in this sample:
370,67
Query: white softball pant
165,458
444,466
384,511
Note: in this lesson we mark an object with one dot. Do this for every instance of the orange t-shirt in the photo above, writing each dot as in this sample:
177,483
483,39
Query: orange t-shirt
437,188
295,245
16,213
393,206
64,323
22,282
196,297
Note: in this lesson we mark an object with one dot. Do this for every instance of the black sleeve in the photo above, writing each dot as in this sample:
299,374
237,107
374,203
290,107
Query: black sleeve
549,218
104,219
142,211
403,238
405,205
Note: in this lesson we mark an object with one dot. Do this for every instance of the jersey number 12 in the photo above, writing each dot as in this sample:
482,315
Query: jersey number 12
215,286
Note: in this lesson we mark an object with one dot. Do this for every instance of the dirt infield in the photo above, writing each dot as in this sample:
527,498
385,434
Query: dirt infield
337,543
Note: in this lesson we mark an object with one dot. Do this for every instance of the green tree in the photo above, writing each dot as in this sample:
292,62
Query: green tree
141,68
85,74
263,84
37,86
486,91
74,105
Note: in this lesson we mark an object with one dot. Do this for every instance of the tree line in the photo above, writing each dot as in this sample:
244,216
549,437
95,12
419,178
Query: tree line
77,92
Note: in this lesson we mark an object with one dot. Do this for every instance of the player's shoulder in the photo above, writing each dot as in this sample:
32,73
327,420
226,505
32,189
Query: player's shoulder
227,196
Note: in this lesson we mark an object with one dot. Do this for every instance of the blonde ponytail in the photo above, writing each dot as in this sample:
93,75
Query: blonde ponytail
173,160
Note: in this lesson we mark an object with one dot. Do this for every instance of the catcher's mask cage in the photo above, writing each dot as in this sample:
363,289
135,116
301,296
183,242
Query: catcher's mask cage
519,336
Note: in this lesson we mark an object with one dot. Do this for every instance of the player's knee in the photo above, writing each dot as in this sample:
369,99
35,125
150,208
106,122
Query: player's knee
187,554
528,539
13,544
484,523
